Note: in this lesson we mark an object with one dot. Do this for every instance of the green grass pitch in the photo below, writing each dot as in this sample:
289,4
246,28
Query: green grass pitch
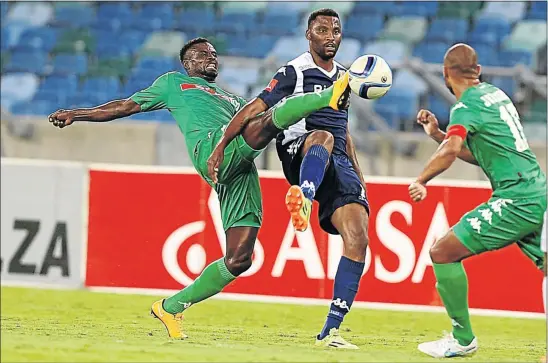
82,326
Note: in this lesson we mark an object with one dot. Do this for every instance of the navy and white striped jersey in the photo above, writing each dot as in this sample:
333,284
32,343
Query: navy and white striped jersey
302,75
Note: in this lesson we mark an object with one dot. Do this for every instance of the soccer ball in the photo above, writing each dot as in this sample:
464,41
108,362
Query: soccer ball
370,77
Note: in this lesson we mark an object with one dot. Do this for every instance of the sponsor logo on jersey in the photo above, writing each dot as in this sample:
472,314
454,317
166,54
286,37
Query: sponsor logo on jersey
475,223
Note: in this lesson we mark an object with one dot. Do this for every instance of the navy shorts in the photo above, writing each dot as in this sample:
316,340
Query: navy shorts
340,186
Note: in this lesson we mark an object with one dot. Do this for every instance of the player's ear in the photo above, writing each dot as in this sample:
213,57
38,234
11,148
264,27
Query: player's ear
307,34
478,69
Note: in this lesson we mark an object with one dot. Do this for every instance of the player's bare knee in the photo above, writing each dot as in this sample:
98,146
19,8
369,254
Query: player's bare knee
324,138
439,254
238,263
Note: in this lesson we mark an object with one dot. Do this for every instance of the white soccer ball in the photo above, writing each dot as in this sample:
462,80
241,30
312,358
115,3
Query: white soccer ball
370,77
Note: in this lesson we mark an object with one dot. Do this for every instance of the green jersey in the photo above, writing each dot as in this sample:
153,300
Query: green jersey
198,106
495,137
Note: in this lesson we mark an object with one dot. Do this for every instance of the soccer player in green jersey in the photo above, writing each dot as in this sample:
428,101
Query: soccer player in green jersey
202,110
484,129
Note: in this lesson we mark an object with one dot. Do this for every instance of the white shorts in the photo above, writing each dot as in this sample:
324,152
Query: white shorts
543,236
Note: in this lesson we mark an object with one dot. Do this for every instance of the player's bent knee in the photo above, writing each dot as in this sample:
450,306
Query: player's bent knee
324,138
355,242
238,263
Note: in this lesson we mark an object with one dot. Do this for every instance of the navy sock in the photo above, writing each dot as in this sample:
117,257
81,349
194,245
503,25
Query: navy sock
347,280
313,169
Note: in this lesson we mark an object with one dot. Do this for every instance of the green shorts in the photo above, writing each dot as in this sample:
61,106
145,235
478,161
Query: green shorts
501,222
238,185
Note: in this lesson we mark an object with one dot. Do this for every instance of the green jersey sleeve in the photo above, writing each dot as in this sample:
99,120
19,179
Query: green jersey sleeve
462,115
155,97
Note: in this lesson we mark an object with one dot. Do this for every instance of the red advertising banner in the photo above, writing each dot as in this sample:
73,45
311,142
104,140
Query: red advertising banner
150,229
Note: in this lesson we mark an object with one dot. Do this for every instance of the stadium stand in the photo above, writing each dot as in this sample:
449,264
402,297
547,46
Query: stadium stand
79,53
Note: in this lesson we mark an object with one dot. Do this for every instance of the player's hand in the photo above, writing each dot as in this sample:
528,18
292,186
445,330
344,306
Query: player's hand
428,121
214,162
417,191
61,118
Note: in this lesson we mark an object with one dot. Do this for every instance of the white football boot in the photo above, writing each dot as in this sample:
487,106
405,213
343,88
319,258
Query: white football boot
448,347
334,340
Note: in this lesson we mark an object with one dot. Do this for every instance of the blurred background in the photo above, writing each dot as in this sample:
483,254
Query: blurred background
81,54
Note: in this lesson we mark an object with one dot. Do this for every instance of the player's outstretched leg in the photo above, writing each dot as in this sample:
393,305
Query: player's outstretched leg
212,280
315,152
293,109
260,131
452,285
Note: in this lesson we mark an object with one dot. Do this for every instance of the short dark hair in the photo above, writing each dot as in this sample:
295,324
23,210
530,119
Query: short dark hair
320,12
189,45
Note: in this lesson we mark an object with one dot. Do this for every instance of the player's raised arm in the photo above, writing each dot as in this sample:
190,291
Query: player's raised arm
152,98
431,126
107,112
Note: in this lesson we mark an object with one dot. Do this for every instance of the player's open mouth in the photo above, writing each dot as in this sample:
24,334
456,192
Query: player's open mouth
211,66
330,47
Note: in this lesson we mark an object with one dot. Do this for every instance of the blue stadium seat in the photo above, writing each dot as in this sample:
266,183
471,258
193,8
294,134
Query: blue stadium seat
499,26
57,83
363,27
348,51
150,22
389,113
196,20
70,64
286,7
154,64
114,15
509,11
511,58
430,52
54,97
449,30
405,102
507,84
3,9
287,48
133,39
487,55
236,23
5,38
27,61
135,84
484,37
407,81
74,16
43,38
537,10
17,87
421,8
158,8
105,50
106,85
279,24
440,108
373,7
258,46
39,107
392,51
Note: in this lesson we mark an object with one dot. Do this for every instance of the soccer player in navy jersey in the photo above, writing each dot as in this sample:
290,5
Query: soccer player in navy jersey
318,159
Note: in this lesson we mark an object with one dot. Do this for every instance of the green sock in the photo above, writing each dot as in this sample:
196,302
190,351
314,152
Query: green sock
452,286
293,109
210,282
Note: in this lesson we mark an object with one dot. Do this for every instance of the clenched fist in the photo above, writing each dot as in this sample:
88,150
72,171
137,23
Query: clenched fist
428,121
61,118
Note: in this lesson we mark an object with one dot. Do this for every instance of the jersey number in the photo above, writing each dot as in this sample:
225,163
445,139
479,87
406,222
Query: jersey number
509,114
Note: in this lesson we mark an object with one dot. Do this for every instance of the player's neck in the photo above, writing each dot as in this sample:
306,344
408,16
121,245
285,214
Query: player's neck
460,88
325,64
